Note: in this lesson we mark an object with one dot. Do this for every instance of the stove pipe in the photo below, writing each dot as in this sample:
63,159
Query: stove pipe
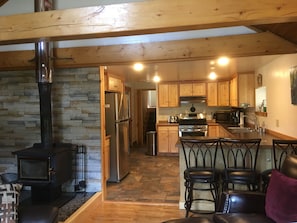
43,55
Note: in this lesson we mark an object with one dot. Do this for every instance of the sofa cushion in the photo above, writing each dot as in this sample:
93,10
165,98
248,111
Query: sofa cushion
281,198
9,201
241,218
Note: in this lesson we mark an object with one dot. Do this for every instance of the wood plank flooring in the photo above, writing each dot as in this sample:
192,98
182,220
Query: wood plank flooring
124,212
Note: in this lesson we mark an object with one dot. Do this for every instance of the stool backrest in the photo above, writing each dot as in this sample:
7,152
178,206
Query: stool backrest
200,153
281,149
240,153
289,167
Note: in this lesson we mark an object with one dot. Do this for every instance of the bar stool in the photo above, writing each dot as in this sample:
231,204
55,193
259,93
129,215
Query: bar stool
280,149
240,160
200,173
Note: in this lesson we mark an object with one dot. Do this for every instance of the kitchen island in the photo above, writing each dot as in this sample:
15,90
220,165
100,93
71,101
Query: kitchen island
264,158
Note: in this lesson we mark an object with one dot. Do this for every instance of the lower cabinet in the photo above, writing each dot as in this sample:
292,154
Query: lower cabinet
167,138
213,130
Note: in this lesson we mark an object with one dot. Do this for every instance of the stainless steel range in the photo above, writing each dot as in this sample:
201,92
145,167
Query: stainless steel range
192,125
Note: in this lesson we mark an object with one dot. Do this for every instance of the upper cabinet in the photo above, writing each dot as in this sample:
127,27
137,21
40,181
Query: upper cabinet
218,93
223,93
168,95
212,94
113,83
234,92
192,89
242,90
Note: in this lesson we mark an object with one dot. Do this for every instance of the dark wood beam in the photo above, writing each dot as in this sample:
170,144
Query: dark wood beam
143,18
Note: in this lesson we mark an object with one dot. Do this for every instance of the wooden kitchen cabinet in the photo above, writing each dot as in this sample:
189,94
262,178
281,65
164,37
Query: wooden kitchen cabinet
192,89
223,133
213,130
167,138
113,83
246,89
223,93
168,95
234,92
212,94
242,90
106,157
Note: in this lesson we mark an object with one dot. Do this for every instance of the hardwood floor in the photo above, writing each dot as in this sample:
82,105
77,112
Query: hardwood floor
125,212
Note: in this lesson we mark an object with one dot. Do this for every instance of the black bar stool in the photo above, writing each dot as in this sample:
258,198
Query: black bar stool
240,160
200,173
280,149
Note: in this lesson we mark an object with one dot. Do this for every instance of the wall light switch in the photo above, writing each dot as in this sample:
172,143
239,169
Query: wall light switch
277,123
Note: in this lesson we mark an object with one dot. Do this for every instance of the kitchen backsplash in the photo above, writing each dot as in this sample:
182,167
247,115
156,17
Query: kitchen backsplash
163,113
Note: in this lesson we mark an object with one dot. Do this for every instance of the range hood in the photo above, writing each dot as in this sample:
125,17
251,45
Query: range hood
192,99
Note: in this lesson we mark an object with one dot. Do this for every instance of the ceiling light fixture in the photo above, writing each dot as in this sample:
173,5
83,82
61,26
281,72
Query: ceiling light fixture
223,61
212,75
138,66
156,78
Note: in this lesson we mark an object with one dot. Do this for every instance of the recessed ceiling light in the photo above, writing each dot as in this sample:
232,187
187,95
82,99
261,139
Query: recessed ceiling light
223,61
212,75
138,66
156,79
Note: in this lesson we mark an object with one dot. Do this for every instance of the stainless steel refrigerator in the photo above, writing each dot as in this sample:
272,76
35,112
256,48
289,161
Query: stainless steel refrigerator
117,126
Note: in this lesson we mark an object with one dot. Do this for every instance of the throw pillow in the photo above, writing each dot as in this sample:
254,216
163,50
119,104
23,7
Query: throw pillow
281,198
9,201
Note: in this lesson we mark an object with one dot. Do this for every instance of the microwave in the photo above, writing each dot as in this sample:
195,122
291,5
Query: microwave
228,116
223,116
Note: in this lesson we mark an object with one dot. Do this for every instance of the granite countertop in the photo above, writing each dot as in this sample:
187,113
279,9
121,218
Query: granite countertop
160,123
266,138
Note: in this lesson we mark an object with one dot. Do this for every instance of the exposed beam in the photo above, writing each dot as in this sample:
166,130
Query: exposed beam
152,16
194,49
2,2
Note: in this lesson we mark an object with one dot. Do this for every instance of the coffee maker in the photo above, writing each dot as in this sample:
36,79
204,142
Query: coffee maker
237,116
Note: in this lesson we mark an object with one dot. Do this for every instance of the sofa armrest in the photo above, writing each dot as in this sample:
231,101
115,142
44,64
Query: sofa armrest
242,202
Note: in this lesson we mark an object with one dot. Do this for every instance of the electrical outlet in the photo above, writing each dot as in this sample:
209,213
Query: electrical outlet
277,123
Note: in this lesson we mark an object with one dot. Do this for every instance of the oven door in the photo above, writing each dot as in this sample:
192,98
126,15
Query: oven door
192,132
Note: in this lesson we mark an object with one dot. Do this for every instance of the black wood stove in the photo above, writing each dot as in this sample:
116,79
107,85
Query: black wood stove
45,166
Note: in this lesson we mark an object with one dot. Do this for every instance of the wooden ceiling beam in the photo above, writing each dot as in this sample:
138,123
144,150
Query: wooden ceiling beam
193,49
2,2
155,16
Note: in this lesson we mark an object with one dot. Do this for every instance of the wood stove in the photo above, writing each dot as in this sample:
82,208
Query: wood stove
45,169
46,165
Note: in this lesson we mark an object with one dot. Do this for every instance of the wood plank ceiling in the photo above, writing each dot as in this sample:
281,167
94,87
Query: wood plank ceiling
276,23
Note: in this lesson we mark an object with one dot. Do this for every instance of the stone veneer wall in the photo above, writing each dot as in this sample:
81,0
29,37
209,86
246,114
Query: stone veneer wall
76,116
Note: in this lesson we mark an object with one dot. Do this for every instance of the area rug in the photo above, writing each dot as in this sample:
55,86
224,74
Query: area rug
71,206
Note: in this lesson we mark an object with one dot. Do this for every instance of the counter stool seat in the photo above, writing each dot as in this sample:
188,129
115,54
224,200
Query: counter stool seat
190,220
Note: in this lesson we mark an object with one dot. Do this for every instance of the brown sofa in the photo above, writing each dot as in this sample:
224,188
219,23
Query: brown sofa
277,205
